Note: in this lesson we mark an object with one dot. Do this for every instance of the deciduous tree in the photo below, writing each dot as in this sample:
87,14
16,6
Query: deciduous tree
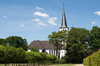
57,38
17,42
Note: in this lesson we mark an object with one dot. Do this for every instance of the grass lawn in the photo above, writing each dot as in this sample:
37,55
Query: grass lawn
58,65
2,65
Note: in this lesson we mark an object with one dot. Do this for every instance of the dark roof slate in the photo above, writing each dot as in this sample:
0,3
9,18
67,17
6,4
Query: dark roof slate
43,45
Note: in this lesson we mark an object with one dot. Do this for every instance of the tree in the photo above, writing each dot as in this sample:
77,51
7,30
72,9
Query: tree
34,49
31,57
77,45
57,38
2,53
21,55
95,38
17,42
2,42
10,54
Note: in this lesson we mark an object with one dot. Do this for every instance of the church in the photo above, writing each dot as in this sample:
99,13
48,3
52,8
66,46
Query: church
48,48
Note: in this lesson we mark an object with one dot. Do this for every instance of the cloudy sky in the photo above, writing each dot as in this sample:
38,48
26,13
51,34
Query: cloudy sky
36,19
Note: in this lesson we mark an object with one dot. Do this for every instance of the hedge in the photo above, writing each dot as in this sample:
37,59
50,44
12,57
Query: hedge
92,60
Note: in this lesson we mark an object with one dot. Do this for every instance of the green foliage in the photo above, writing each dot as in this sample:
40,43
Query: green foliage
92,60
34,49
21,55
10,54
51,58
1,53
30,56
57,38
2,42
40,58
95,38
77,45
17,42
62,61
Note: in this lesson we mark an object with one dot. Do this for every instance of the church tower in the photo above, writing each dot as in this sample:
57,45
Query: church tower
64,22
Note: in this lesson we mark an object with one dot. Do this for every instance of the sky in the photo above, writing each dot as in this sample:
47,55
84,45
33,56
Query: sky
36,19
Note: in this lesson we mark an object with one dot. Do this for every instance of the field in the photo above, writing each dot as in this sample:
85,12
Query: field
59,65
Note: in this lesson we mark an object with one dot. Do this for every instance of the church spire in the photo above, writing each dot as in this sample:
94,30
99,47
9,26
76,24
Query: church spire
64,22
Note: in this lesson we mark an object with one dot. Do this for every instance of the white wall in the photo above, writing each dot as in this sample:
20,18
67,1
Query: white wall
61,29
62,53
53,52
40,50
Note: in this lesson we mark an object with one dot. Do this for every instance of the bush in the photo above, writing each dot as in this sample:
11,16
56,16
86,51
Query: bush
21,55
10,54
93,60
62,61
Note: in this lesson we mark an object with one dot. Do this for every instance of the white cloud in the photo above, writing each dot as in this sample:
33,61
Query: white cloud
41,14
36,20
42,24
5,17
52,20
97,13
93,22
38,8
22,25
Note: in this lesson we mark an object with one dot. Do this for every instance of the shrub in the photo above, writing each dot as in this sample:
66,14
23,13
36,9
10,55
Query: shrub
92,60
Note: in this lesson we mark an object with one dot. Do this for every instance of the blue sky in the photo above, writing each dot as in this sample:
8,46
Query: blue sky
36,19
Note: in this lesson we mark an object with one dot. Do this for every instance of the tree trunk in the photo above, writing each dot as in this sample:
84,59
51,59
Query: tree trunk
16,64
34,64
27,64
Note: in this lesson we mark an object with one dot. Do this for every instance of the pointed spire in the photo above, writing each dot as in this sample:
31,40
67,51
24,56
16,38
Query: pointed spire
64,22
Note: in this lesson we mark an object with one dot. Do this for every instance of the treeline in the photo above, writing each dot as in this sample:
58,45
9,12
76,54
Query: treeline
92,60
10,54
80,43
15,41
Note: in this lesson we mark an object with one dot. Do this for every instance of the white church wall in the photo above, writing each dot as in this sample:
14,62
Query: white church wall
53,52
62,53
47,51
29,50
40,50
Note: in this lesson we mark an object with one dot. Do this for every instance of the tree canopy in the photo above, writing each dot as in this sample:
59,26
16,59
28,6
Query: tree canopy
16,41
77,45
95,38
57,38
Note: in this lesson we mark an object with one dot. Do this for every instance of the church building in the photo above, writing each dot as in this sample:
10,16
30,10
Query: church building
48,48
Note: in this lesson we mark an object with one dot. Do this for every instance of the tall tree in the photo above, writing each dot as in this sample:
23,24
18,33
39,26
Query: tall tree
57,38
17,42
95,38
77,45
